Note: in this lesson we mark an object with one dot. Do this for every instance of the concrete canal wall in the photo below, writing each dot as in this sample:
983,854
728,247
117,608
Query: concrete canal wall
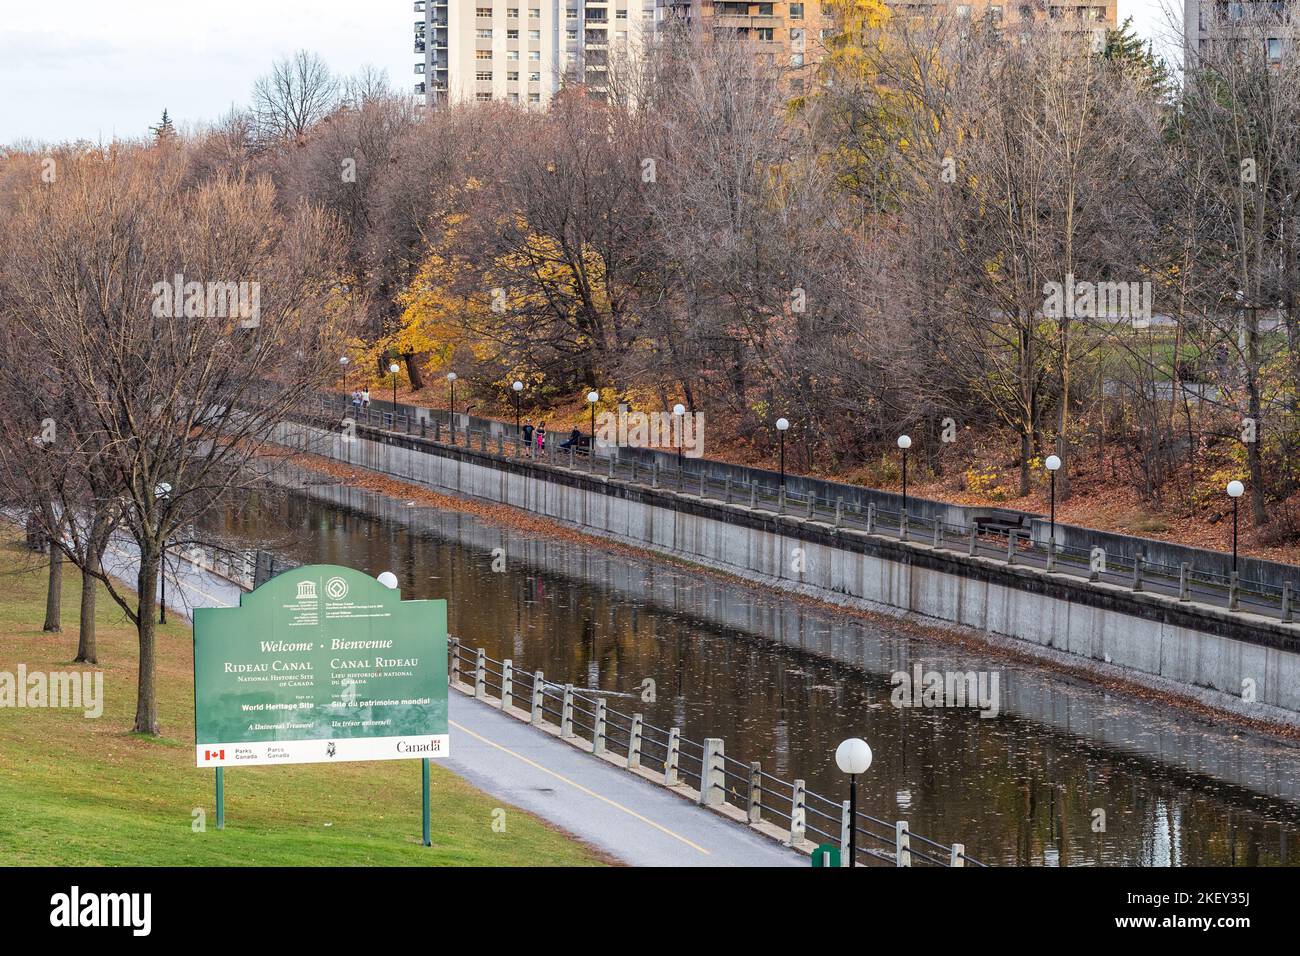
1205,751
1244,657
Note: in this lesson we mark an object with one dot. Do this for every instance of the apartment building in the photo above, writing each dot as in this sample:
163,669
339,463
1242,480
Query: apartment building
1209,22
523,51
786,35
793,36
1087,20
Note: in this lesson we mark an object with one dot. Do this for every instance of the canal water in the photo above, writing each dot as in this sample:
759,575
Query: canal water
1064,773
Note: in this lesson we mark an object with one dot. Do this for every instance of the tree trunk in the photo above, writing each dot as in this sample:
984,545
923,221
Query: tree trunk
1063,422
86,650
146,703
413,371
54,593
1255,410
1024,461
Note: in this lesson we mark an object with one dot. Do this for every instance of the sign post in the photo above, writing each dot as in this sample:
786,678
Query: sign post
322,664
424,811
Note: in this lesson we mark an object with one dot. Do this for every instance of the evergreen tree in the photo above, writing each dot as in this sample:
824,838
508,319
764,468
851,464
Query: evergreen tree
164,130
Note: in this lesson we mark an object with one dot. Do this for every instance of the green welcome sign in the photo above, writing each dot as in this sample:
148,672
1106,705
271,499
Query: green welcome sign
320,664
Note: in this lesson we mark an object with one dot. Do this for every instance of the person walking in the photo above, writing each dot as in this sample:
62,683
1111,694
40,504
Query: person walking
356,400
541,436
365,398
528,435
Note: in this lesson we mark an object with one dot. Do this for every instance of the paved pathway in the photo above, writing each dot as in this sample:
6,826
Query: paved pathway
616,811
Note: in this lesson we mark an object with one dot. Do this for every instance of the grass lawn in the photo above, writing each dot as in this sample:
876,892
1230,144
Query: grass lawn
85,792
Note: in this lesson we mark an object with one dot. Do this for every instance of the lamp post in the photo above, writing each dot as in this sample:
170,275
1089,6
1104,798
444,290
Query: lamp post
343,364
781,425
517,387
904,443
853,757
592,398
162,491
1052,464
451,404
389,580
393,369
678,411
1235,490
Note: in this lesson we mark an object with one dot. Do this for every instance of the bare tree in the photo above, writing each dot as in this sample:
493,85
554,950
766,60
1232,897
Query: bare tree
184,327
298,93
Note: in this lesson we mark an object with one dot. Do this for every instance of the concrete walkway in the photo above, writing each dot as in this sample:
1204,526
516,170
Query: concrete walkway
622,814
629,818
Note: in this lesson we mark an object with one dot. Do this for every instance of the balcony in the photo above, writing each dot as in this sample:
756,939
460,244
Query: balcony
749,23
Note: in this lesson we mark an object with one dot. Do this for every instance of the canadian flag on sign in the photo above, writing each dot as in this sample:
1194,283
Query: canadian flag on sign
214,755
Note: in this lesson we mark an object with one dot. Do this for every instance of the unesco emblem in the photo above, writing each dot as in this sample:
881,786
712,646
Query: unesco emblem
336,589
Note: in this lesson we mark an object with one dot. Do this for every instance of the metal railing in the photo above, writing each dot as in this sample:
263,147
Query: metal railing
1006,545
791,810
236,566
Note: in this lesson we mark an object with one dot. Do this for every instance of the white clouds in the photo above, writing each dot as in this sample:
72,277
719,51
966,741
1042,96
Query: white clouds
101,68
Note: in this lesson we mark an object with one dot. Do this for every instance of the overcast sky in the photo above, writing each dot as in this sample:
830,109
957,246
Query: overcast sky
99,69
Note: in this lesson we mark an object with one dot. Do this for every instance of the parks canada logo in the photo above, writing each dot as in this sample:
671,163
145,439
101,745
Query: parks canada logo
330,749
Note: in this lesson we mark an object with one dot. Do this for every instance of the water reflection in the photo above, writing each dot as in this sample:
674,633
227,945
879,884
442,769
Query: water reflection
1065,774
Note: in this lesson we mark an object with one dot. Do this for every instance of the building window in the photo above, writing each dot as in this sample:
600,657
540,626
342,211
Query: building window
534,54
963,10
513,97
1275,50
484,76
765,34
796,60
483,97
485,34
512,76
512,34
419,68
764,9
512,54
620,14
571,14
796,11
513,13
484,12
534,97
571,34
535,12
995,11
535,76
482,54
534,34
